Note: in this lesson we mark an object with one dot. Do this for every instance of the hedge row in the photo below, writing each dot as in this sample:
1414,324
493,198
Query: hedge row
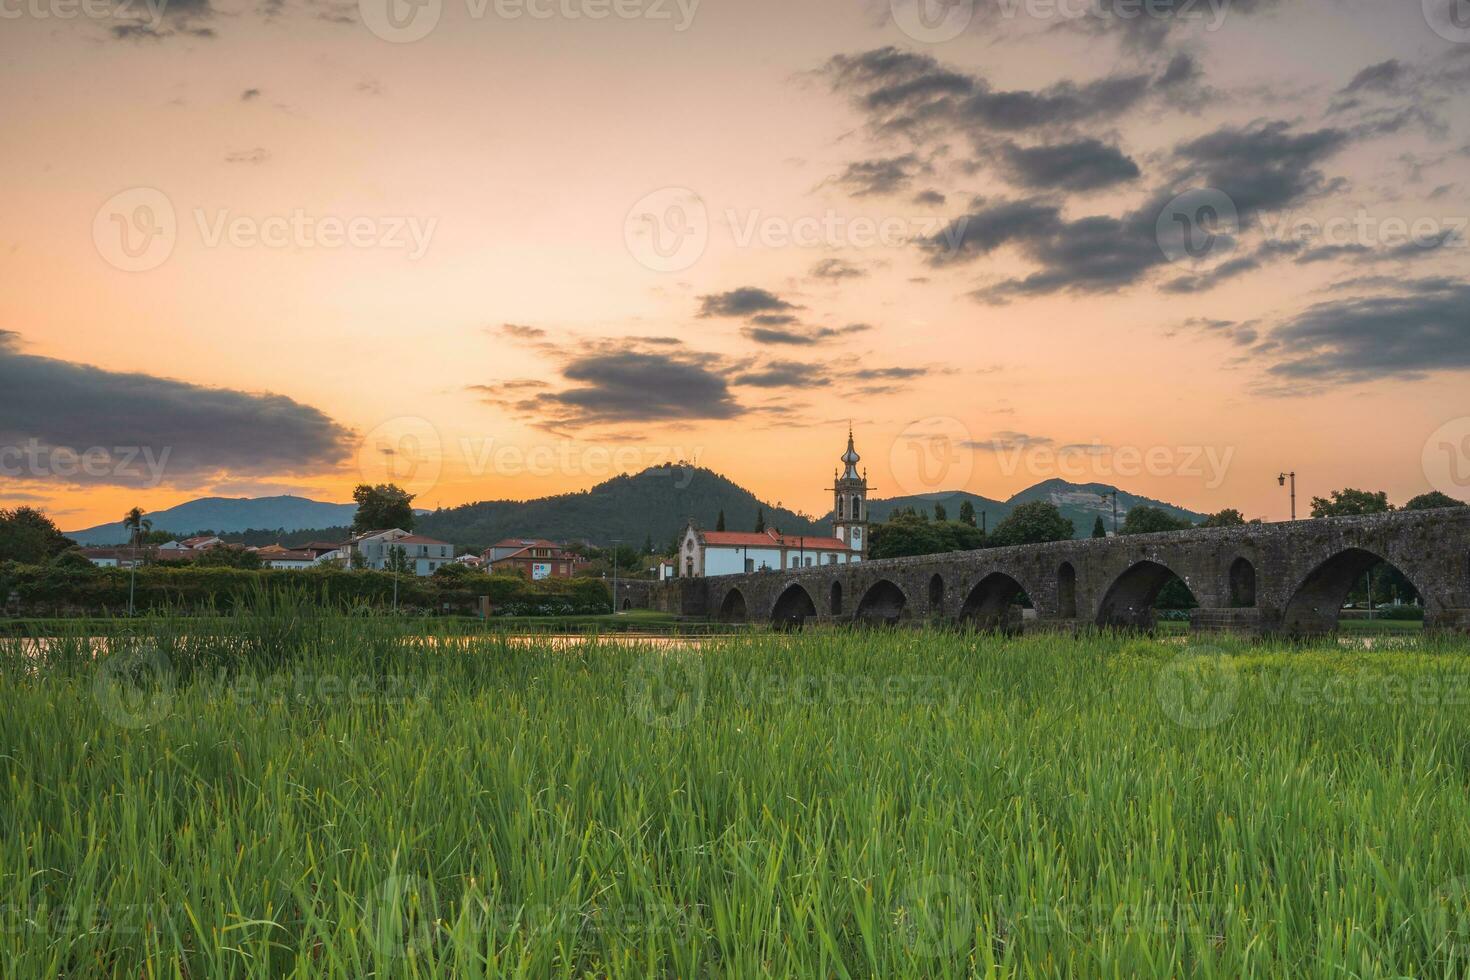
30,590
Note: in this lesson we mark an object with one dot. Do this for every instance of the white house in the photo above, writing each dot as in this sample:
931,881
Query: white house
709,553
425,555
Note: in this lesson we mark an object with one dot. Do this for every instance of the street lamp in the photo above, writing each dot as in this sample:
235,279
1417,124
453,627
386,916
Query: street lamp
616,542
1113,494
1281,480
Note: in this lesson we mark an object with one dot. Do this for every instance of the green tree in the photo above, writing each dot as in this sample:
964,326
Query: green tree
1229,517
1035,522
137,525
760,520
71,560
381,508
397,561
940,514
967,513
907,533
29,537
720,521
1432,501
1150,520
1098,530
1351,503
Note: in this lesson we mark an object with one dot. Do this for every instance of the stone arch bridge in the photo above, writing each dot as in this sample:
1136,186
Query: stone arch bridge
1289,578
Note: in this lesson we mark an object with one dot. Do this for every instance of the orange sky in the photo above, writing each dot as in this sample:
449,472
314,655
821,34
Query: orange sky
523,153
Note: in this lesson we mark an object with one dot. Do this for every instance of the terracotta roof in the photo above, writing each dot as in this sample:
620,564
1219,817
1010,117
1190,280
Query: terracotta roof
284,555
417,539
525,543
770,539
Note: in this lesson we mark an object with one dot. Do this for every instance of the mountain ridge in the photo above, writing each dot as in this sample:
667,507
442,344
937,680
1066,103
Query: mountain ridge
655,503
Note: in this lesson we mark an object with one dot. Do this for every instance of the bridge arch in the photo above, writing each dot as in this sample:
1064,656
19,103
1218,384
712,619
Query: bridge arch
1129,601
989,603
1242,581
836,604
884,602
734,609
793,608
1316,603
1067,590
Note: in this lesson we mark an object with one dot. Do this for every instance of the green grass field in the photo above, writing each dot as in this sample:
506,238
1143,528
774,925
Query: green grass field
306,797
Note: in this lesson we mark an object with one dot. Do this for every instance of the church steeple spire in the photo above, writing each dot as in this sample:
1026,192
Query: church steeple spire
850,500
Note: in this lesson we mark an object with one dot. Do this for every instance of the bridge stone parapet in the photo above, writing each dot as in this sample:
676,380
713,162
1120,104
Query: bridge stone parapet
1287,578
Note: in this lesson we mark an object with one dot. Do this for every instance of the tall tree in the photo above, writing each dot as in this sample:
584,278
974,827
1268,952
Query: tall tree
967,513
1150,520
1351,503
136,523
382,508
940,513
720,521
1432,501
1098,530
1034,522
760,520
1229,517
30,537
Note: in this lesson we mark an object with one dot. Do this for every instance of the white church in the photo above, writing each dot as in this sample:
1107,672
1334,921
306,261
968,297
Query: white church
710,553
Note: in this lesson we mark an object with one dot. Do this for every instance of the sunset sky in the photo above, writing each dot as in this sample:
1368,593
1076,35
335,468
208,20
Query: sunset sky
507,249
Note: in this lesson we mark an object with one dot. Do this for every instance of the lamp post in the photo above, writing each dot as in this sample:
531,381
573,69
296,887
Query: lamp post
1113,494
1281,480
616,542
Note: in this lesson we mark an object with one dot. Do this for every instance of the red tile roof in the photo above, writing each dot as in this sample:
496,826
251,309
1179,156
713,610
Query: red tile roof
416,539
770,539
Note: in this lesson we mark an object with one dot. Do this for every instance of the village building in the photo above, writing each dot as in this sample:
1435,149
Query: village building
709,553
424,555
536,559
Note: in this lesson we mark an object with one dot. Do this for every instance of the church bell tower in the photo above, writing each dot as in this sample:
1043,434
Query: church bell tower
850,502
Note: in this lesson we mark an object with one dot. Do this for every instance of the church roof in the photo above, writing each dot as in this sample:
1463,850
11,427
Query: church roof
770,539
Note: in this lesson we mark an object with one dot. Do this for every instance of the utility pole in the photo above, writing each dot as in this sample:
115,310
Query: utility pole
616,542
1282,481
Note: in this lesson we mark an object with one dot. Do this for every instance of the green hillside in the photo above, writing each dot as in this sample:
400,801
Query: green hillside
657,502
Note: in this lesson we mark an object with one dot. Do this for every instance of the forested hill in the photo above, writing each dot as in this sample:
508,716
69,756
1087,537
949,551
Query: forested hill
657,502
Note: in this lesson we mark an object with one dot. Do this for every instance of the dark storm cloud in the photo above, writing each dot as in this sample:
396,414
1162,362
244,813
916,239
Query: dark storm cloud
1423,327
836,270
930,198
1263,166
868,178
629,386
1260,167
198,434
522,332
913,93
1382,77
1082,165
746,301
785,374
799,337
159,20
